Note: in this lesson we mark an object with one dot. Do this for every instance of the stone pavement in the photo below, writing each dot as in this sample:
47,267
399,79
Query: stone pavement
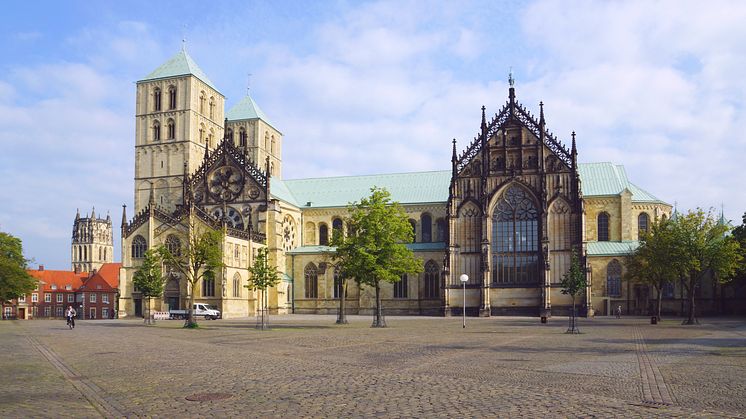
307,366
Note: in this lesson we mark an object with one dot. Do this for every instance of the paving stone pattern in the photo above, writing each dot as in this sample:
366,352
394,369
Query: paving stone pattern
307,366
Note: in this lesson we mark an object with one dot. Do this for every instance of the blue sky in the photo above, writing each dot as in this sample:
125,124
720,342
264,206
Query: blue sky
370,87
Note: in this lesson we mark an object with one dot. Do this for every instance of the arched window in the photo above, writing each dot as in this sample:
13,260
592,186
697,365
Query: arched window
104,253
171,97
413,223
202,103
237,285
337,283
212,108
100,253
266,141
515,239
202,133
337,227
427,228
156,131
642,224
441,228
323,235
139,246
614,279
229,135
157,99
272,146
242,137
171,129
400,288
85,252
603,227
209,138
173,244
311,277
208,287
432,283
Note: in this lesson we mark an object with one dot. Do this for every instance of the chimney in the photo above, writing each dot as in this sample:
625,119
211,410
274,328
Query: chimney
41,267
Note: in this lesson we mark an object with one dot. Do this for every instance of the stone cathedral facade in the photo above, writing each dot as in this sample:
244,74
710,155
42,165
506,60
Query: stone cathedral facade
92,242
509,213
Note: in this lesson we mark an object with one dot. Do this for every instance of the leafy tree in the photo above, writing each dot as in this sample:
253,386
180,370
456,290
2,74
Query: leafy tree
706,248
14,280
656,261
573,283
199,258
374,249
148,277
739,234
263,275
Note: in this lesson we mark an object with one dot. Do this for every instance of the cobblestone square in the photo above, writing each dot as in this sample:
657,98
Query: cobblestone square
307,366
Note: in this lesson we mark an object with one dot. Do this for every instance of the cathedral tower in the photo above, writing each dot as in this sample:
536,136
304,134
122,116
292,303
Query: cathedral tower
179,115
92,243
250,130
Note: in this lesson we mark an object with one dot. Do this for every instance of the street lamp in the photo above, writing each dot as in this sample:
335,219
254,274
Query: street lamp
464,279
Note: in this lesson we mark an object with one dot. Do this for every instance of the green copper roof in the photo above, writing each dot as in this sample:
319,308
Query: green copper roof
278,189
246,109
180,64
405,188
421,247
603,179
611,248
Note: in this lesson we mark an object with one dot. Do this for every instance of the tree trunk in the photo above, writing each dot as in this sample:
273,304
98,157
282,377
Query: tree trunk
691,319
378,319
342,315
191,321
660,303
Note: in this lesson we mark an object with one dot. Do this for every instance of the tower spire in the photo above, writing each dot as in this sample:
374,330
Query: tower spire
77,214
541,113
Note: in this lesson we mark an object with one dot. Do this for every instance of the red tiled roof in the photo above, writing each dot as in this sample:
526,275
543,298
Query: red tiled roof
61,279
109,272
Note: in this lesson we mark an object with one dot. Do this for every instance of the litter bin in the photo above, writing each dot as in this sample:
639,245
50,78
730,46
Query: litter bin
653,320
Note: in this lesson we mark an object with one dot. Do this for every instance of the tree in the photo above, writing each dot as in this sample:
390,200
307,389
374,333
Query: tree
656,261
374,249
199,258
573,283
263,276
705,249
14,280
739,234
148,277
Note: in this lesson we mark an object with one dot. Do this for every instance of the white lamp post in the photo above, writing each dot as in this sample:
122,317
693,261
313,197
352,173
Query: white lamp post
464,279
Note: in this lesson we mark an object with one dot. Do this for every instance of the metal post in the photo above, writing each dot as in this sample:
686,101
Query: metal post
464,279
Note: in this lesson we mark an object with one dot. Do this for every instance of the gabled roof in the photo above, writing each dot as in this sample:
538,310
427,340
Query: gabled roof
246,109
108,274
61,279
180,64
405,188
604,179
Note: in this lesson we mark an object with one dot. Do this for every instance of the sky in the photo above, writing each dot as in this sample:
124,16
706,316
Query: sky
370,87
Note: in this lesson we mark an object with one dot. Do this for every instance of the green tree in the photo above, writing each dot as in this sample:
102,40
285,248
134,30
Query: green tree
199,258
263,276
657,260
574,283
706,249
374,249
14,280
148,278
739,234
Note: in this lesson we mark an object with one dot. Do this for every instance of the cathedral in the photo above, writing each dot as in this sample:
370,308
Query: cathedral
509,213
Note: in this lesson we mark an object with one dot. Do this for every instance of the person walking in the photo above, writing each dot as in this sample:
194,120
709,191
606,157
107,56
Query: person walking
70,313
619,312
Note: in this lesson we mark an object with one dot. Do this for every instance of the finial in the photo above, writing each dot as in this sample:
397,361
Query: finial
574,148
93,213
484,119
124,215
511,81
77,213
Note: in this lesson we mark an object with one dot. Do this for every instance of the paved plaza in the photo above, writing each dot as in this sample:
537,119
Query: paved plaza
307,366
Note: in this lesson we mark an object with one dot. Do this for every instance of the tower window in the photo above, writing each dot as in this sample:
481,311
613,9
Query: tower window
156,131
171,129
202,103
229,134
242,137
212,108
172,97
157,99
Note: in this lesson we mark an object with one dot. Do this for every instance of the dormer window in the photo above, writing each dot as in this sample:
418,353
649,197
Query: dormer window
54,287
68,287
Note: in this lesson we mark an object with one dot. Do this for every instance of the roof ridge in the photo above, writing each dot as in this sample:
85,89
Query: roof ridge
180,64
368,175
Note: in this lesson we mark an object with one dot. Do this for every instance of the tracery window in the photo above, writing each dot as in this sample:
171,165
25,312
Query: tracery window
157,99
400,288
171,129
323,235
173,244
603,227
310,274
139,246
172,97
614,279
432,274
237,285
427,228
515,238
642,224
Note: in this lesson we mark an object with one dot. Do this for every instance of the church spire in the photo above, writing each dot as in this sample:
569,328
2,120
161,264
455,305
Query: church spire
77,214
124,216
574,153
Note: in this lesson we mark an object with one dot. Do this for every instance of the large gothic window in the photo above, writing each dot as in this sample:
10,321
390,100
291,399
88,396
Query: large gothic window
139,246
427,228
614,279
515,238
603,227
432,273
400,288
311,277
642,224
